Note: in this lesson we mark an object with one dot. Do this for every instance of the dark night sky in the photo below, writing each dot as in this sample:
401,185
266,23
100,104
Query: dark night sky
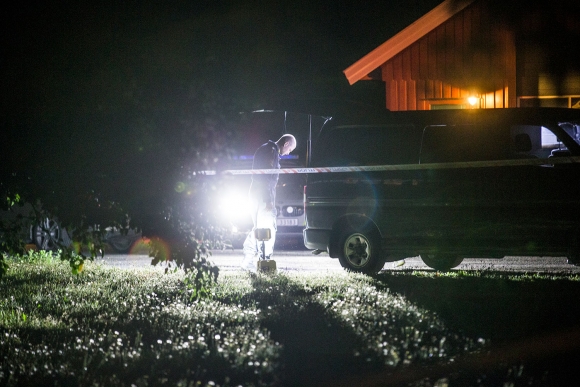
64,55
90,85
111,96
112,89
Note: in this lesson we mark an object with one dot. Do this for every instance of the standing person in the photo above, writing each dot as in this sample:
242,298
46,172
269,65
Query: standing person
263,197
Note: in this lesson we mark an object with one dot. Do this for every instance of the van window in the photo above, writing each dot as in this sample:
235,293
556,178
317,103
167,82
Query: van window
573,130
368,145
542,141
443,144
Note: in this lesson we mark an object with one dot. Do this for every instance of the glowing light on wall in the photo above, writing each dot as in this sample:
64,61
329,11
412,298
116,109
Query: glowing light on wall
473,100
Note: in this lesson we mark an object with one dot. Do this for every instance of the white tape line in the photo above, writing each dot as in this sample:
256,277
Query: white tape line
407,167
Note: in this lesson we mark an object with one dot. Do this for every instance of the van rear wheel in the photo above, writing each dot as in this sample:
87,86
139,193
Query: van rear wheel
360,251
441,262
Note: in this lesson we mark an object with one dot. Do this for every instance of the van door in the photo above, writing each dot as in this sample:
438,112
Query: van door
487,204
381,197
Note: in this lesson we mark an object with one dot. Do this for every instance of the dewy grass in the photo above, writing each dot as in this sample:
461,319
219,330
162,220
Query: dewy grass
487,274
113,327
110,327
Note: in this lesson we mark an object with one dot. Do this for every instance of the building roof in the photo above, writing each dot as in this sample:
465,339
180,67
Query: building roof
415,31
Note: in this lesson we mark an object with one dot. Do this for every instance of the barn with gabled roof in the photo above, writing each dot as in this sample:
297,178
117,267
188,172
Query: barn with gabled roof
480,54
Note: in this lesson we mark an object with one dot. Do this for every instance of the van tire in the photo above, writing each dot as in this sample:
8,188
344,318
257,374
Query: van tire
359,251
47,234
441,262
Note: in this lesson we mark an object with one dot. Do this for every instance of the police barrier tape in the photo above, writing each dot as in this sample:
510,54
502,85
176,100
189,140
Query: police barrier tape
402,167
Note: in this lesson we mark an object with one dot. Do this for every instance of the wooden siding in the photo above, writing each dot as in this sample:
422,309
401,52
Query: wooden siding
409,35
469,54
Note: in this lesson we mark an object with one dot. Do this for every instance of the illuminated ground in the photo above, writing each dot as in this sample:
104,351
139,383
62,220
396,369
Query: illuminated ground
303,260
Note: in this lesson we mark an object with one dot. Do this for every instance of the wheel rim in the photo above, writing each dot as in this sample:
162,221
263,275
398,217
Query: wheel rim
47,234
357,250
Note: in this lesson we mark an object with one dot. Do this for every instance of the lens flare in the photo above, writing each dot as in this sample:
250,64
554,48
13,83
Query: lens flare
155,245
140,246
180,186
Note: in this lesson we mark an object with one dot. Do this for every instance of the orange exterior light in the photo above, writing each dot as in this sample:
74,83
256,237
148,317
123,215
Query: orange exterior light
473,100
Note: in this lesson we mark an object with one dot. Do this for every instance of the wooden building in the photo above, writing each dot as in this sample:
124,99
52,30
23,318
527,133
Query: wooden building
481,54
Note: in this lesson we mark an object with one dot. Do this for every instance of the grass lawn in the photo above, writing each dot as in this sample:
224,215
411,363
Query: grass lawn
112,327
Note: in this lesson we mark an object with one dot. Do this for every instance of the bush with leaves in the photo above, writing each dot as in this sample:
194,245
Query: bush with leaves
185,234
134,156
191,256
87,241
10,230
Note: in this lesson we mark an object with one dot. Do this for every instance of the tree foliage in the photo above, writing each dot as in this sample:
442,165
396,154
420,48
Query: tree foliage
129,165
107,112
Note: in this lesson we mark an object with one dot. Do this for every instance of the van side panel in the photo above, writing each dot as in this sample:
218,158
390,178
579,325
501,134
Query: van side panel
334,196
487,211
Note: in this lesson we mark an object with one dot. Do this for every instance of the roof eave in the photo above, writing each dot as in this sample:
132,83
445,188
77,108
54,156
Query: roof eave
404,38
